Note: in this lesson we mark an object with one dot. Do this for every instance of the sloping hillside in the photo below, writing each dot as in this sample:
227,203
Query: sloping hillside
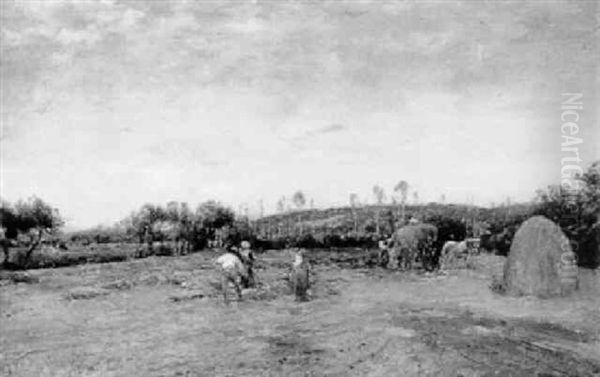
366,219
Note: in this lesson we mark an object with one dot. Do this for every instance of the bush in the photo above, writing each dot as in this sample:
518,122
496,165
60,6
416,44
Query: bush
577,212
306,241
85,293
43,258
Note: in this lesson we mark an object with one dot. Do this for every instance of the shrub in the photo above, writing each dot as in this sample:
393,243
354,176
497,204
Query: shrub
577,212
43,258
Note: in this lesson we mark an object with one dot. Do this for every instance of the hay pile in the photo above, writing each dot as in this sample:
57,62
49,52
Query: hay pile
85,293
533,266
411,243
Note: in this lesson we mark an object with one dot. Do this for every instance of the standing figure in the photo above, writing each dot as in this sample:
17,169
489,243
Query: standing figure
247,257
384,253
300,276
232,271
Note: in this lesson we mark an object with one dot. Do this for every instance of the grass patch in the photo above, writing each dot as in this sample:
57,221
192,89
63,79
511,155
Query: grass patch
86,293
52,258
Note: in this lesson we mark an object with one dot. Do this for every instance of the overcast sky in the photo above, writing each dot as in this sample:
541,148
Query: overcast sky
110,104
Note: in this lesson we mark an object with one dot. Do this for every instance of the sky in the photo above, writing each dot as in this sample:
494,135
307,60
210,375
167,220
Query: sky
107,105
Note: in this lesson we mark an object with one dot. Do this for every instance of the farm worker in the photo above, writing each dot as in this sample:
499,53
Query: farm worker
384,253
232,271
247,256
300,276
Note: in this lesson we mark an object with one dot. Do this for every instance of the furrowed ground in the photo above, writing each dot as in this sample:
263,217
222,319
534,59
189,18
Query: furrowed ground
164,316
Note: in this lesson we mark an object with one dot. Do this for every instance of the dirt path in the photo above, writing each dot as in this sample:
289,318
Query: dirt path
164,317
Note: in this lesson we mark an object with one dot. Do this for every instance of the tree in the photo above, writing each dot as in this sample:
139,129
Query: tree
591,192
299,199
177,229
210,217
577,212
353,204
281,205
402,188
237,232
186,220
10,227
379,194
149,215
29,220
415,197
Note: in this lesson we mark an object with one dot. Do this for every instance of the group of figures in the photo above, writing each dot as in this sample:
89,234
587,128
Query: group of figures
236,267
410,245
416,243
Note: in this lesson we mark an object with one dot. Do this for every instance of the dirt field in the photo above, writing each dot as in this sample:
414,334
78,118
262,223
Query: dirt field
164,316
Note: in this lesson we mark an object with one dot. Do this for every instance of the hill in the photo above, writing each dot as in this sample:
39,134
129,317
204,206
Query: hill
455,221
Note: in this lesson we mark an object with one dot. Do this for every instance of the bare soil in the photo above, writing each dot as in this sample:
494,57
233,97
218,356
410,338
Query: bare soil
164,316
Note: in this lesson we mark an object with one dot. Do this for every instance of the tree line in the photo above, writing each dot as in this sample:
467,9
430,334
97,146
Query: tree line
177,228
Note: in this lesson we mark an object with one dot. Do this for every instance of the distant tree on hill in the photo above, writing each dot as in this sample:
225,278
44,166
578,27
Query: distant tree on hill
379,194
299,199
281,205
402,188
353,200
353,205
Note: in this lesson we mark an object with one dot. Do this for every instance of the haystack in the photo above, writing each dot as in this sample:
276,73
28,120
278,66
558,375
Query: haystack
411,242
534,265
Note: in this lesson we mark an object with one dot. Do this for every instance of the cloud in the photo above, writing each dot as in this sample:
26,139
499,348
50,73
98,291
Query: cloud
282,93
248,26
335,127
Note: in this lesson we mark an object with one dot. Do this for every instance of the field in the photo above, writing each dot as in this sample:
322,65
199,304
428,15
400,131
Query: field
164,316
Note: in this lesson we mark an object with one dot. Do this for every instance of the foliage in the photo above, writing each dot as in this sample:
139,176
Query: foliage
170,229
177,228
379,194
402,188
27,222
238,231
299,199
577,212
79,254
357,226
